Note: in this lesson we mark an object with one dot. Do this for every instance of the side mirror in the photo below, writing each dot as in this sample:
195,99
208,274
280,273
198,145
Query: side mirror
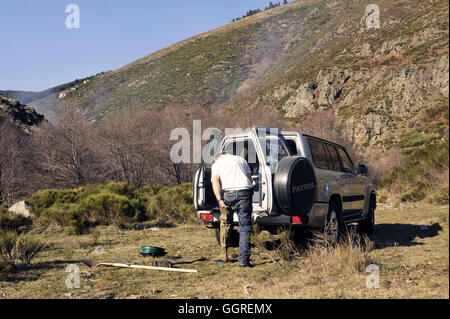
362,169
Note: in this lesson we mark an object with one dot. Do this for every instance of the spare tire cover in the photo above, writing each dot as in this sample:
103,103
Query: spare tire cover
295,185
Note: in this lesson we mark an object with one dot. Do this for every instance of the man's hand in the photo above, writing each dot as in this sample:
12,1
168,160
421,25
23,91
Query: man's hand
222,204
218,191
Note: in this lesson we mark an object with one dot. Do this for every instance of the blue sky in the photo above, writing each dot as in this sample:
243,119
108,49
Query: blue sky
37,51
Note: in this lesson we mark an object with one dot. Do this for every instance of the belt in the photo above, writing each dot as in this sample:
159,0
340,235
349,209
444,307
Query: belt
234,191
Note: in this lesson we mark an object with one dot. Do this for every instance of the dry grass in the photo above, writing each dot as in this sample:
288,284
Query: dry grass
413,262
350,255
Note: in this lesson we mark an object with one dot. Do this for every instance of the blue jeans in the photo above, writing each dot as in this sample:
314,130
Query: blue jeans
240,202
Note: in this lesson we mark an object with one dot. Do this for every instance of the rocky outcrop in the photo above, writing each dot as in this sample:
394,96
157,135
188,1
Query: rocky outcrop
440,75
22,208
70,90
406,87
301,102
22,115
330,86
311,96
370,128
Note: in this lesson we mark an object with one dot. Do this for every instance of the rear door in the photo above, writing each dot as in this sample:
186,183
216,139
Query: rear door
271,147
204,198
244,146
323,164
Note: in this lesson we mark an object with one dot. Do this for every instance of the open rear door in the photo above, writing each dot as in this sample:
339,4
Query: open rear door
203,193
271,147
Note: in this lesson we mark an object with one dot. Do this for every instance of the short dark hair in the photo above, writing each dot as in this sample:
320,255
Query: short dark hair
218,155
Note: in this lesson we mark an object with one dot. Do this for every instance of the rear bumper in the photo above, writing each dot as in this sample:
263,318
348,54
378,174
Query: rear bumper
316,217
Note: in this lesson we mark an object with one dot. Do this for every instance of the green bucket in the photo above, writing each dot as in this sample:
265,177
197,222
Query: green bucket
152,250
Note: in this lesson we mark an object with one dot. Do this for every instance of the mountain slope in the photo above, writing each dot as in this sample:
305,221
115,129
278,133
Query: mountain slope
206,70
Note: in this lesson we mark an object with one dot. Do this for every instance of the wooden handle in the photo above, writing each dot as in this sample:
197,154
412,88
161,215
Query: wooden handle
147,267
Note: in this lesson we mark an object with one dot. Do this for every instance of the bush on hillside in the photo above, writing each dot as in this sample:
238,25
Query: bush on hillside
440,196
422,170
172,204
10,221
108,209
112,204
414,195
18,249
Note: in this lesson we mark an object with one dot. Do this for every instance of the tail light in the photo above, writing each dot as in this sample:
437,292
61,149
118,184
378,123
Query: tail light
207,217
299,220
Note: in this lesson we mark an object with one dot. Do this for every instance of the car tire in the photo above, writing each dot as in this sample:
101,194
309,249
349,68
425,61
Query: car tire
295,185
334,227
233,239
367,225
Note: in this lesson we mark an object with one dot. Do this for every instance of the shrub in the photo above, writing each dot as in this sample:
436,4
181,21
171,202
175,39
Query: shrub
27,248
112,203
440,197
172,204
107,209
95,236
8,241
382,198
150,190
15,249
10,221
414,139
414,195
63,215
49,197
279,247
123,189
423,169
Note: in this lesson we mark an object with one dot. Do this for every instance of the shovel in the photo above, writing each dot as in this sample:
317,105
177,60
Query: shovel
92,264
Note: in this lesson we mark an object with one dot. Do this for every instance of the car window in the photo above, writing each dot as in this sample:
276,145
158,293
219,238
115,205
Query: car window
273,145
320,155
274,149
245,149
335,163
292,147
347,165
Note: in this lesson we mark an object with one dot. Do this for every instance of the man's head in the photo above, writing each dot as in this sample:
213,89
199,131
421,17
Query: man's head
219,155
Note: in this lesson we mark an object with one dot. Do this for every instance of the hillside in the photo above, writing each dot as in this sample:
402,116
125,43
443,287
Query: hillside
24,116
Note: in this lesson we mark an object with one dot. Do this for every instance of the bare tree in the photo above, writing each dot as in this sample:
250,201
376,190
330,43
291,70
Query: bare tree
170,118
16,165
68,151
129,141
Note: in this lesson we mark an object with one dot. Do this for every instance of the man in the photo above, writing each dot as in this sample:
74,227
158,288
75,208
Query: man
233,187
